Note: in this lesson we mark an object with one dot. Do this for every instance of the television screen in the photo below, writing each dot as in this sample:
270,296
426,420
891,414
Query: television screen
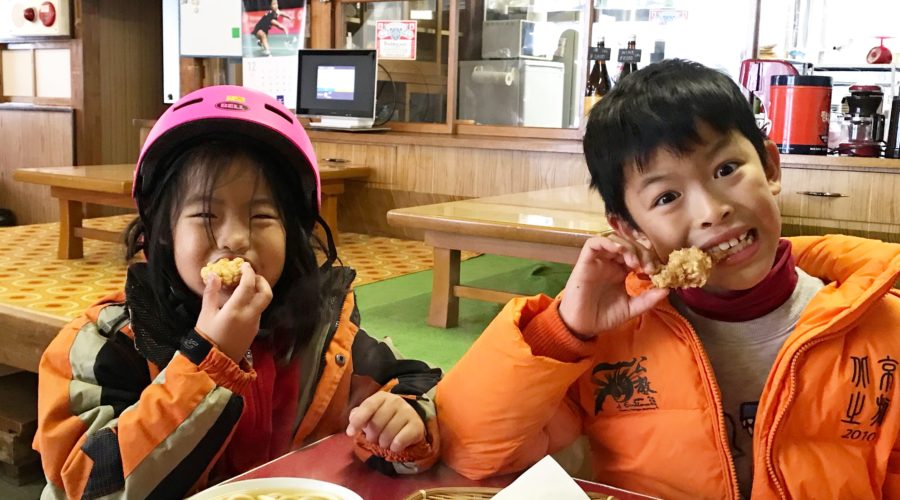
337,83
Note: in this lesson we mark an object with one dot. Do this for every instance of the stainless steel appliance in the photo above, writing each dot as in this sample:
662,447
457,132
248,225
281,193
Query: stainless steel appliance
516,38
522,92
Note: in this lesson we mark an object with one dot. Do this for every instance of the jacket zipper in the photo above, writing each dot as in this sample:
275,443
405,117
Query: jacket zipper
717,399
770,461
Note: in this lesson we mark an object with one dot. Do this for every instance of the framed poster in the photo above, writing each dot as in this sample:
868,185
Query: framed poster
272,33
396,39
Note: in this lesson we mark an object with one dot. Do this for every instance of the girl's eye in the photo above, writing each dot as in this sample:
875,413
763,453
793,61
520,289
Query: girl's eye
264,216
725,170
203,215
666,198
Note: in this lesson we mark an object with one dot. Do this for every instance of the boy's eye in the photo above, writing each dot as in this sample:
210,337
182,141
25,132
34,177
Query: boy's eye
725,170
665,198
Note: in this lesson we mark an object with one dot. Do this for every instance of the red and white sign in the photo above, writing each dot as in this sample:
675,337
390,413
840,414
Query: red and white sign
396,39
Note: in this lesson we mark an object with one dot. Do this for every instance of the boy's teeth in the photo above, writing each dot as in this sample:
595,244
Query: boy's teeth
731,246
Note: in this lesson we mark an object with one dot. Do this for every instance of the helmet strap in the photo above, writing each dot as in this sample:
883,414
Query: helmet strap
331,250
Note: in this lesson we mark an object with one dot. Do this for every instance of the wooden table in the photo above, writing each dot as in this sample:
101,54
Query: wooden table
332,460
110,185
550,224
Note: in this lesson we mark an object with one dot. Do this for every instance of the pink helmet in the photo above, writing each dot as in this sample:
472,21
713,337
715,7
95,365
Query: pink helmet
224,111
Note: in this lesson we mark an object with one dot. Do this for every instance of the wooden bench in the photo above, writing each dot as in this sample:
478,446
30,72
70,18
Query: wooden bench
110,185
550,224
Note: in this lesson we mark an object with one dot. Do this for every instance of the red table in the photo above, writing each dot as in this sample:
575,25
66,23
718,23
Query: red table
332,460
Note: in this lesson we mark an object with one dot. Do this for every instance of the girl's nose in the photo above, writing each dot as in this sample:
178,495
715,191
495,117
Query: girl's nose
234,235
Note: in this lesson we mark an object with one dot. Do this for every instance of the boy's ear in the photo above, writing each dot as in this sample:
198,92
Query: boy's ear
773,167
624,229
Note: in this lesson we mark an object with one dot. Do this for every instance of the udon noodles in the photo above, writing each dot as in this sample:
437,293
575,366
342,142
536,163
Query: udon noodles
286,494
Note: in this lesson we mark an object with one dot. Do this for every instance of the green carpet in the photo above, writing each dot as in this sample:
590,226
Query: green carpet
398,307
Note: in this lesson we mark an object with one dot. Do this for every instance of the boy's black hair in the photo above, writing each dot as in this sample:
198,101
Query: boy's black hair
660,106
296,301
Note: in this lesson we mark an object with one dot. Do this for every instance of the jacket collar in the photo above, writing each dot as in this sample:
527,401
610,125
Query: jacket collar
857,272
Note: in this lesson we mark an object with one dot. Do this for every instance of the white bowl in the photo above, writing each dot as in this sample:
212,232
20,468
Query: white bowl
276,484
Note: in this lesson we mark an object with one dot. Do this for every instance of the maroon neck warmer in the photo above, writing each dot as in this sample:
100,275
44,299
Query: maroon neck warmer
744,305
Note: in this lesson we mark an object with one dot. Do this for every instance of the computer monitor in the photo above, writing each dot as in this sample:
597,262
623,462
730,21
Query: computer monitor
338,86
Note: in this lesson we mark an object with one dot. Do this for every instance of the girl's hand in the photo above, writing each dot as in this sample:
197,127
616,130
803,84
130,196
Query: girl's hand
233,325
595,299
387,419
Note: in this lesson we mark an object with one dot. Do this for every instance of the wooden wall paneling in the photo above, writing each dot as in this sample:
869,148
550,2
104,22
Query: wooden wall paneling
382,160
130,62
321,25
86,90
415,168
33,139
883,200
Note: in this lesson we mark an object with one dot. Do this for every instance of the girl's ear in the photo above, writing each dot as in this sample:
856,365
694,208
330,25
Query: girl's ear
624,229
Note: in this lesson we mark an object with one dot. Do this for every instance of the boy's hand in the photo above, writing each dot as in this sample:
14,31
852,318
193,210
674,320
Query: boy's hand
595,299
233,322
387,419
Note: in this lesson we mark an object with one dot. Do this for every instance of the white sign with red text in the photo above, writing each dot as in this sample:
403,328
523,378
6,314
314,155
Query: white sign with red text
396,39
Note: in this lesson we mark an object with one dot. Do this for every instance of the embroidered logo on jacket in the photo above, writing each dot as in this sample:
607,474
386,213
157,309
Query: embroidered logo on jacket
863,416
626,383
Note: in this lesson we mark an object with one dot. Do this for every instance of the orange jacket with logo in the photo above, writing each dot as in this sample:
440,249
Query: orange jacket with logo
646,397
114,423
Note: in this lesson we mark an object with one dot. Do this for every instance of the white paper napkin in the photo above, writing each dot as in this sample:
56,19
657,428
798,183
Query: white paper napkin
545,479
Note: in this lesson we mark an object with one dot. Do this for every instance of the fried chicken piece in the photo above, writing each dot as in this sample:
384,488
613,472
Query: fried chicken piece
686,268
229,271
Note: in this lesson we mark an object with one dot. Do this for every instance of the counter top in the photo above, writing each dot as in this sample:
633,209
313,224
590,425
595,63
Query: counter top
888,165
556,146
22,106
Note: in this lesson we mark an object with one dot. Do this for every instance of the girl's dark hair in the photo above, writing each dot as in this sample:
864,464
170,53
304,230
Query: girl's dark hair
296,301
660,106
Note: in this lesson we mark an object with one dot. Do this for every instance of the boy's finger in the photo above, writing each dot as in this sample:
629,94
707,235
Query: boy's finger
645,257
408,436
645,301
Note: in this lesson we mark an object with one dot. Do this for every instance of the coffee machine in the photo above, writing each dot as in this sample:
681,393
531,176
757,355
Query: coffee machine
862,132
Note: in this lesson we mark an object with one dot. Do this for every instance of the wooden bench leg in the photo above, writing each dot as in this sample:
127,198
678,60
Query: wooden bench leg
329,215
444,309
70,217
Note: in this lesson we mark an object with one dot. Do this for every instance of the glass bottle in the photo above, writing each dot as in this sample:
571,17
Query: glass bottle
590,88
629,67
603,85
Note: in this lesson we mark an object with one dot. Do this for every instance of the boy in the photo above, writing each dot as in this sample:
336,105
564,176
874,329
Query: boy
776,378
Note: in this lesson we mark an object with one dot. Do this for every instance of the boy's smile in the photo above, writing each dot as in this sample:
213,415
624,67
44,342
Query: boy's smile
718,197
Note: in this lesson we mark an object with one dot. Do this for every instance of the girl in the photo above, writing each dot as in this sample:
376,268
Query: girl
174,384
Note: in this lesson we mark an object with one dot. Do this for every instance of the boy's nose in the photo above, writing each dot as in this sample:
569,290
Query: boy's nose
712,210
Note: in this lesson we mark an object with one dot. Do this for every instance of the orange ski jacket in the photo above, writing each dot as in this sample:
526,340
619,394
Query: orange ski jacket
113,423
646,397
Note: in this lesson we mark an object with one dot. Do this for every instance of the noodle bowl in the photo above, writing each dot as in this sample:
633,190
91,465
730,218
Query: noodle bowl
277,488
